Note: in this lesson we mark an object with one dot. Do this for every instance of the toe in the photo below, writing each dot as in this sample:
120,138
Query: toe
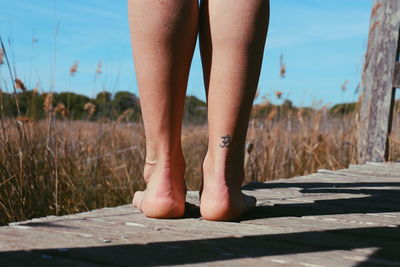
137,199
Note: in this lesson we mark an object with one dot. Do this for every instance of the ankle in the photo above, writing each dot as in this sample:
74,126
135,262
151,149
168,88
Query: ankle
228,171
166,164
163,149
164,155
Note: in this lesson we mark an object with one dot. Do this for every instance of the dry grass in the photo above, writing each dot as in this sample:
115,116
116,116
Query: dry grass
61,167
299,145
79,166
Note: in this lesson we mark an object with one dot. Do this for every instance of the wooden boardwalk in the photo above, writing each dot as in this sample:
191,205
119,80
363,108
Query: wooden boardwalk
348,217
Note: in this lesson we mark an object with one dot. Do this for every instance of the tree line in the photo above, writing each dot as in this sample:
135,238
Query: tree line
123,106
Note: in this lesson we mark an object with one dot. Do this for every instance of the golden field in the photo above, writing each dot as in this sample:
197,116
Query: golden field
55,167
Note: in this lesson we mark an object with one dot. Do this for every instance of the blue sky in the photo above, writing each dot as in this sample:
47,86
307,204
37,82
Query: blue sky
323,43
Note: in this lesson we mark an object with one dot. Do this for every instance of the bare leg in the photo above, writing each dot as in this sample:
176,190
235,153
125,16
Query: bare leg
163,36
232,36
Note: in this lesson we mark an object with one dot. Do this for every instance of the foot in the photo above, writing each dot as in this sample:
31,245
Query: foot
165,193
221,196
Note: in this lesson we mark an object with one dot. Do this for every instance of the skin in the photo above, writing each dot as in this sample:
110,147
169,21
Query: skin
163,39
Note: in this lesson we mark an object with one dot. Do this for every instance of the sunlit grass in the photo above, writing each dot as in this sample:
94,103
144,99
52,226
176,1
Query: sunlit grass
60,167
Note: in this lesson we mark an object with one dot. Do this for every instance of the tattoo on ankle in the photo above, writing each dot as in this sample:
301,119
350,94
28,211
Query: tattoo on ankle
226,141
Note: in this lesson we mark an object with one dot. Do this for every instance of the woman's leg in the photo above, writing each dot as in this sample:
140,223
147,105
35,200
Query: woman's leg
163,34
232,38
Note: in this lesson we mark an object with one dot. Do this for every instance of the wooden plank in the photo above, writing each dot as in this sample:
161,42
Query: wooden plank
389,170
370,173
352,175
395,166
378,166
383,164
298,245
396,75
257,241
252,250
326,219
377,80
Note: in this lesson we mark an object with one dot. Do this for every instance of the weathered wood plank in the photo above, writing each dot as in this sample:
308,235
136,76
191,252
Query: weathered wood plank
383,164
370,173
326,219
215,252
361,174
396,75
386,165
339,243
392,167
377,80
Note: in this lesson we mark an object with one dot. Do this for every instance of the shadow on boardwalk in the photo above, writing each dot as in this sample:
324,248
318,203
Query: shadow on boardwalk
217,249
376,198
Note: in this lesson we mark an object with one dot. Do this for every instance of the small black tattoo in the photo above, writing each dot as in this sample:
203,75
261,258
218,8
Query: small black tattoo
226,141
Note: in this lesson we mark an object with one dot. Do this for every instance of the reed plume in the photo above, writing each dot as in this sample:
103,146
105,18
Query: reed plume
61,109
90,108
20,85
74,68
1,56
282,71
48,102
99,68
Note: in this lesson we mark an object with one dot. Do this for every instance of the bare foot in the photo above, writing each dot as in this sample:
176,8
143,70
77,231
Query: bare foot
165,194
221,196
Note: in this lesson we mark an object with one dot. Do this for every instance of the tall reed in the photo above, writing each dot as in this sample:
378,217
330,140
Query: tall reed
85,165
